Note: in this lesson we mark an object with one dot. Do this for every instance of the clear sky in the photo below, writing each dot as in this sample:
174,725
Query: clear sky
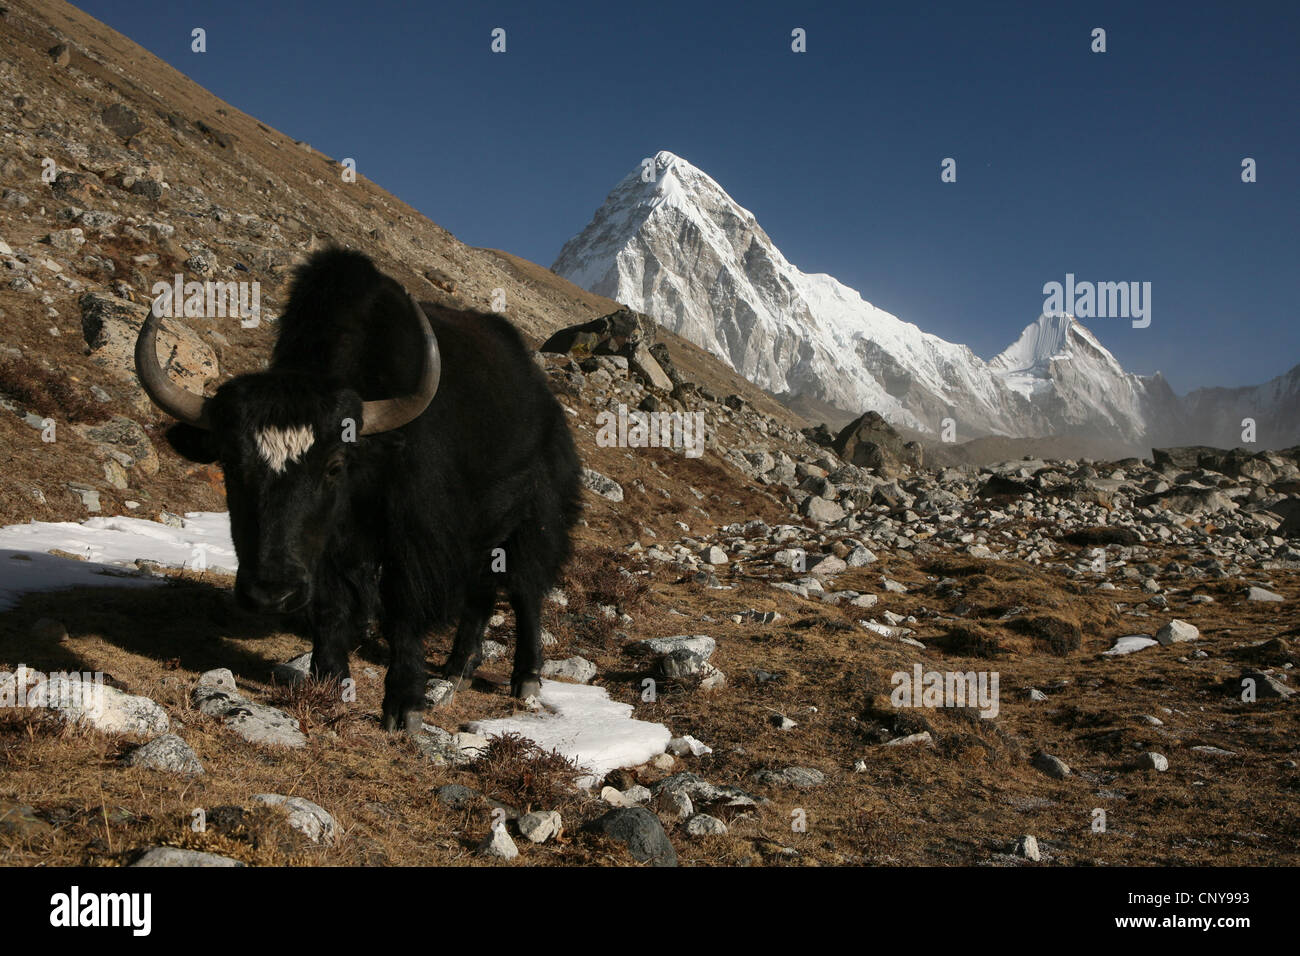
1123,165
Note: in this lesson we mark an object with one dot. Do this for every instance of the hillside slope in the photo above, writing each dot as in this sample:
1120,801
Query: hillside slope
156,176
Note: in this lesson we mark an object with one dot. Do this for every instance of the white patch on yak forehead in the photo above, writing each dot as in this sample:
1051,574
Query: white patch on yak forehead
280,446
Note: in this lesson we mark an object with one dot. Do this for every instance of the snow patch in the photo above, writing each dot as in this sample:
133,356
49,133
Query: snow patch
109,544
583,724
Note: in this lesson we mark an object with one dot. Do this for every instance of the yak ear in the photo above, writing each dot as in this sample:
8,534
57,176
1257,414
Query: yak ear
196,444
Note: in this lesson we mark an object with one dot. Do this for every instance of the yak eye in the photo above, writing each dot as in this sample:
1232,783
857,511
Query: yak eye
334,468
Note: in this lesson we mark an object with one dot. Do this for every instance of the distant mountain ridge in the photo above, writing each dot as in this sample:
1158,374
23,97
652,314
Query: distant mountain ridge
670,242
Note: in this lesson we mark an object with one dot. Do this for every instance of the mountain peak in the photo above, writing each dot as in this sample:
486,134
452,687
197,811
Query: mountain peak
1045,338
670,242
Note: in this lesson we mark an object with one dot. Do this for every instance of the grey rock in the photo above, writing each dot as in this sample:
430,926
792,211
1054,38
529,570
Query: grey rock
498,845
306,817
640,831
293,671
607,488
174,856
540,825
1027,846
571,668
1177,631
216,696
167,753
98,706
703,825
1151,760
1050,765
801,777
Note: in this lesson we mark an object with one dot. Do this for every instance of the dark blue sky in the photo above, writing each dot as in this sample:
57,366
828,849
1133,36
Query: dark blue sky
1116,166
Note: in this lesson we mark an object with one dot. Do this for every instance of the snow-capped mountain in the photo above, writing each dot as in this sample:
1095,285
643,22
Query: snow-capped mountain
1076,384
668,241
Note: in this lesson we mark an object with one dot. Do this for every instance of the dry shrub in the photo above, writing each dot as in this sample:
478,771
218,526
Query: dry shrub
592,577
1058,635
43,392
1099,536
972,640
316,704
515,769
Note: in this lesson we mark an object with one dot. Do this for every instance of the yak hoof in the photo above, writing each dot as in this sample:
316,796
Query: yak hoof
409,721
525,687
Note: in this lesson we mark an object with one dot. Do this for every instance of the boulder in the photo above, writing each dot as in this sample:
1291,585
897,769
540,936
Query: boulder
110,326
870,442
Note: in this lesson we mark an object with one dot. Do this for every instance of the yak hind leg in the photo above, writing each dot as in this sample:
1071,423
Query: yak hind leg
526,680
467,648
405,626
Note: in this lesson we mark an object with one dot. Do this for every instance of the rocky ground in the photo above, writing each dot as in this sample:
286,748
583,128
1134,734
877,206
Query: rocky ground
1138,614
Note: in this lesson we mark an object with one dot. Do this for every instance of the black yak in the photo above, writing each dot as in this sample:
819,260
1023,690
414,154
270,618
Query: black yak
394,457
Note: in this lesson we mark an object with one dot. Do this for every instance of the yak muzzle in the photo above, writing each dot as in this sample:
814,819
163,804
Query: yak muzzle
279,595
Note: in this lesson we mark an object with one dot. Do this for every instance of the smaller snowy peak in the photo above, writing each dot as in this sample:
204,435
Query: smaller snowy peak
1046,339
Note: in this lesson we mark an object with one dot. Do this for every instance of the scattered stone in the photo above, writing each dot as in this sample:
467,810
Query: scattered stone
456,796
1177,631
217,696
498,845
1266,685
438,691
1130,644
703,825
575,668
640,831
801,777
1052,766
167,753
1150,760
688,745
1210,751
540,825
1027,846
701,792
921,738
174,856
306,817
605,487
294,671
96,705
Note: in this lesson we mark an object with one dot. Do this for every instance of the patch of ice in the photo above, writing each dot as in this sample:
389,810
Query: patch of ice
583,724
109,544
1127,645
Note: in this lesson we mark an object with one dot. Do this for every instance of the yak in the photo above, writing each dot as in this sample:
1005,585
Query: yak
395,460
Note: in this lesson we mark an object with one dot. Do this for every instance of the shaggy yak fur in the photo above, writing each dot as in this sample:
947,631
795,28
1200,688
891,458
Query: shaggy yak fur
423,523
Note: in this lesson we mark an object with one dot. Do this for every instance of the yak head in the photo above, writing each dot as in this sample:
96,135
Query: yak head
285,441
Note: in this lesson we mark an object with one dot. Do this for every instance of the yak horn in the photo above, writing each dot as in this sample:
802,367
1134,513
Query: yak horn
389,413
166,394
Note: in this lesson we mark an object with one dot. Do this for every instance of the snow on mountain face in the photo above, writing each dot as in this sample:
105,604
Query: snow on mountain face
1075,382
675,246
679,249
